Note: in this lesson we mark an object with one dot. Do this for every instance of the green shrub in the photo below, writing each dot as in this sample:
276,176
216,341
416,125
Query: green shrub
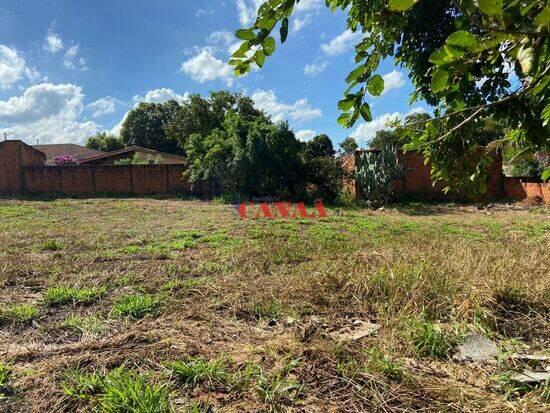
135,306
65,295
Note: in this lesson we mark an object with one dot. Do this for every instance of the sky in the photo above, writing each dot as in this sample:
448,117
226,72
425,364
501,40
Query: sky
72,68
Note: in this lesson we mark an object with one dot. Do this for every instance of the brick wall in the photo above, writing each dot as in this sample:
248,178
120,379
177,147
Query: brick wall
22,170
518,189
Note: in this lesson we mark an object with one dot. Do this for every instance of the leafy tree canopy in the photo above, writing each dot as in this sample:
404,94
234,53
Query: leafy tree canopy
202,115
104,141
460,56
146,126
319,146
349,145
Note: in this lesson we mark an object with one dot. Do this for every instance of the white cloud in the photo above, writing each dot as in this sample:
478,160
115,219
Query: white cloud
205,67
341,43
53,42
71,59
300,22
103,106
300,110
247,10
47,112
305,135
221,36
203,12
315,68
394,80
309,5
160,96
12,67
366,131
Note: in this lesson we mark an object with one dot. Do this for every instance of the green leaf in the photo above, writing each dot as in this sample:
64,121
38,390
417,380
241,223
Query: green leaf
365,112
546,174
446,54
401,5
346,103
375,86
461,38
284,30
241,51
354,75
490,7
439,80
546,115
269,46
344,119
245,34
259,58
543,18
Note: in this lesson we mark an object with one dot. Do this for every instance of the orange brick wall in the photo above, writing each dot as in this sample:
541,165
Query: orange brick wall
518,189
22,169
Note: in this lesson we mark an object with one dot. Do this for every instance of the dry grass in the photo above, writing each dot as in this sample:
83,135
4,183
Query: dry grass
245,309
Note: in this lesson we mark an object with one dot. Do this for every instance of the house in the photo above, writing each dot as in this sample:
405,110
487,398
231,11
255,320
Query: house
109,158
79,152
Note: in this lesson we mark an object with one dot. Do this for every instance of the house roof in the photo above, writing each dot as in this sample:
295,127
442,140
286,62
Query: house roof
130,149
79,152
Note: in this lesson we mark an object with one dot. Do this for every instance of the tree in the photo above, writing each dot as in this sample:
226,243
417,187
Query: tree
146,126
202,115
460,55
104,141
319,146
251,157
349,145
385,138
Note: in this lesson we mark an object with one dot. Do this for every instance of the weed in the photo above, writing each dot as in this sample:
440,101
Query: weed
5,378
379,362
119,391
91,325
278,389
18,313
513,389
430,340
266,310
52,245
197,370
135,306
68,295
181,286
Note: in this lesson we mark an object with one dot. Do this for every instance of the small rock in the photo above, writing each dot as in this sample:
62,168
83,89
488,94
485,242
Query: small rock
476,347
356,331
381,209
290,321
530,357
531,377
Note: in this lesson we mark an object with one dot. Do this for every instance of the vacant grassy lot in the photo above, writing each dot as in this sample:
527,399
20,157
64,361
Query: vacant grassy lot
144,305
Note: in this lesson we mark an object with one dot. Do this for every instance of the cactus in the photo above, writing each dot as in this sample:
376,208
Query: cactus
376,173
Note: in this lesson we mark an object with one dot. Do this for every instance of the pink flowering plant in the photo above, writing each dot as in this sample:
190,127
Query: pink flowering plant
63,160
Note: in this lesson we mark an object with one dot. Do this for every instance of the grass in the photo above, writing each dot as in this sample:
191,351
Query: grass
197,370
5,379
242,300
69,295
18,314
91,325
120,391
135,306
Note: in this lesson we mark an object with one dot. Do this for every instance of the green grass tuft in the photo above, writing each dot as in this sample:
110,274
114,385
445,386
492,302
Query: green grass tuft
52,245
430,340
68,295
135,306
5,379
18,313
91,325
198,370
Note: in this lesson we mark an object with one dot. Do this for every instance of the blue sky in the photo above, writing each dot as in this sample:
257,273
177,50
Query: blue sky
70,68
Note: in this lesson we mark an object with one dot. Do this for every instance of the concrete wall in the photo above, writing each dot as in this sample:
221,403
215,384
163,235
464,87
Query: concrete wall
22,170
